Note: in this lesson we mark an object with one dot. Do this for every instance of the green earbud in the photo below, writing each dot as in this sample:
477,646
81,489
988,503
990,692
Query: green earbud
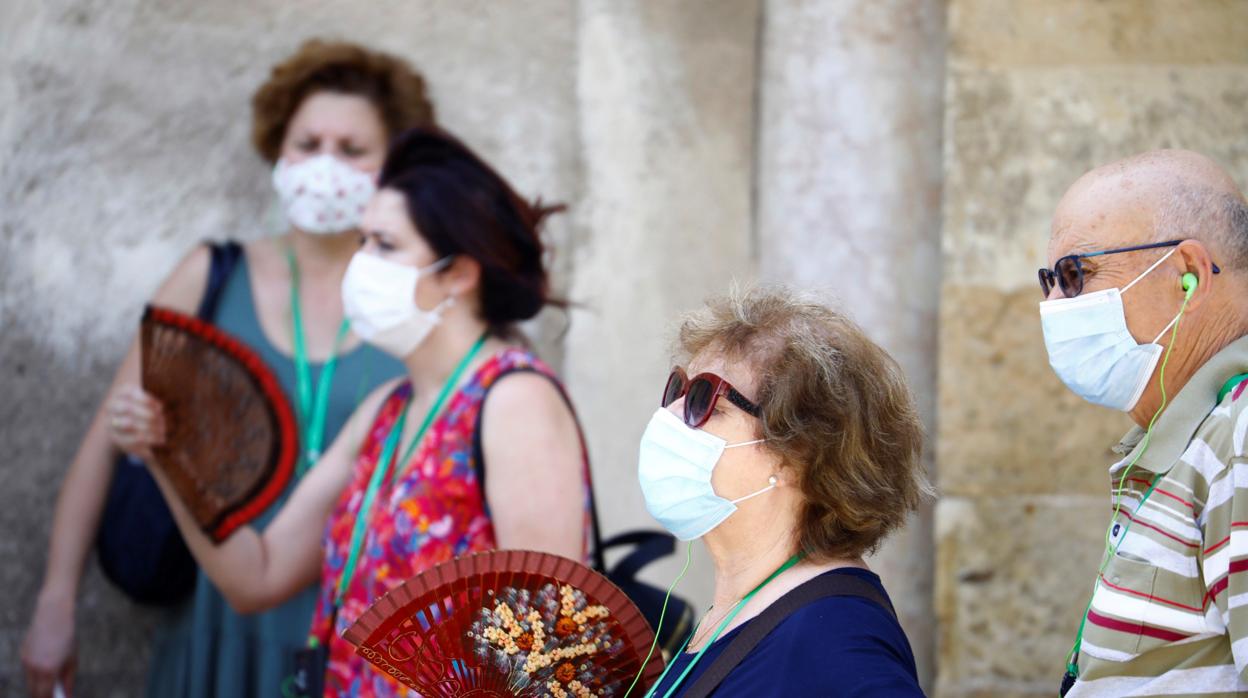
1190,282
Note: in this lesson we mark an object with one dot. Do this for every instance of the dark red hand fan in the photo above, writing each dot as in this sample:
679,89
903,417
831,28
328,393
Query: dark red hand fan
230,441
508,623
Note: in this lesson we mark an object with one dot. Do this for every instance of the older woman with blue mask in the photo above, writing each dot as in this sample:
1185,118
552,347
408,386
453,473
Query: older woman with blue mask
789,443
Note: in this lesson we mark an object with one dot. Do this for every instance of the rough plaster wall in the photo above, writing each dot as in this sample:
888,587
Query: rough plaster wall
848,188
123,140
667,117
1038,93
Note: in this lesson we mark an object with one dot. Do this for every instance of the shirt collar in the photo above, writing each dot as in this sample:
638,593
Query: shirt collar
1176,425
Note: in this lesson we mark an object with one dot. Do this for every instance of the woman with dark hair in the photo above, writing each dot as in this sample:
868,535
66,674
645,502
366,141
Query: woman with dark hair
475,448
322,121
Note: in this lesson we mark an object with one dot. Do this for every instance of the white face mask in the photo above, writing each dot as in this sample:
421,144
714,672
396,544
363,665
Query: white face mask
1093,352
379,298
322,194
674,469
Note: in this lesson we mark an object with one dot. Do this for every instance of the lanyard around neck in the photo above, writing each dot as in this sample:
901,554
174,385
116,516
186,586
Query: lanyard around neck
732,614
311,407
385,460
1072,659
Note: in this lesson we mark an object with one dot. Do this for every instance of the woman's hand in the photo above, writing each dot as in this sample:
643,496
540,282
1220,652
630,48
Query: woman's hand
136,421
49,656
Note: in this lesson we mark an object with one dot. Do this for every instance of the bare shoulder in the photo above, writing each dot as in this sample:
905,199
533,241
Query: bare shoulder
353,433
526,407
370,404
366,411
184,287
526,394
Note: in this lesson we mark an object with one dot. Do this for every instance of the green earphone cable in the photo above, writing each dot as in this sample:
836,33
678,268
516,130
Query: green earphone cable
662,613
1073,656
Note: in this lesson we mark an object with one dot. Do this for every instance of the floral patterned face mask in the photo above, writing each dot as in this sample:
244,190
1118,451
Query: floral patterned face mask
322,194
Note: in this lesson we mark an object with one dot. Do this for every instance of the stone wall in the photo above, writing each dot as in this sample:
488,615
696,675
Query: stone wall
1037,94
666,123
848,192
698,142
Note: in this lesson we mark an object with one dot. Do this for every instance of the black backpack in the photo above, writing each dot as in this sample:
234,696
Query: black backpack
140,549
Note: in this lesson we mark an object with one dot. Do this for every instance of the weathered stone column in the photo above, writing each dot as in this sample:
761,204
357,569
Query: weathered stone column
666,95
1038,94
848,187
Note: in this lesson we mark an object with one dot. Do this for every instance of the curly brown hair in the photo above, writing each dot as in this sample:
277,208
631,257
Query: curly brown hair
835,407
390,83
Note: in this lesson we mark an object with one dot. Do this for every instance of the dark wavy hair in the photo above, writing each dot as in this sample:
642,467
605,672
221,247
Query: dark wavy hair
461,206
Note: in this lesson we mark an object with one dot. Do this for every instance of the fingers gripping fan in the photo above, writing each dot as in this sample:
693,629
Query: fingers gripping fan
230,443
508,623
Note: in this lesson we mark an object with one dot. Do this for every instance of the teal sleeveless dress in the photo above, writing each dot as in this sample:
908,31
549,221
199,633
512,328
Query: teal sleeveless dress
203,649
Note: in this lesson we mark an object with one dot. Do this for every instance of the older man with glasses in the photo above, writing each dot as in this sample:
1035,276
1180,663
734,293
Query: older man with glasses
1146,311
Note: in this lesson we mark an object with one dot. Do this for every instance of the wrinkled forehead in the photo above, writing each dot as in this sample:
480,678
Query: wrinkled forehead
1098,215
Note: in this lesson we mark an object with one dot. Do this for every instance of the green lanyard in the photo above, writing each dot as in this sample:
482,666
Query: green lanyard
1072,659
383,466
736,608
311,408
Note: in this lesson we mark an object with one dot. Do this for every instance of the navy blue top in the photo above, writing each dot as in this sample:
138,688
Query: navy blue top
836,646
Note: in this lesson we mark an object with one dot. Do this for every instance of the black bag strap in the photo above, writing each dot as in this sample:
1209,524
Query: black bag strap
823,586
649,546
225,256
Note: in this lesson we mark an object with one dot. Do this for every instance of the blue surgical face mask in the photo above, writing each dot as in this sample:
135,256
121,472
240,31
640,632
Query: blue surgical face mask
675,467
1093,352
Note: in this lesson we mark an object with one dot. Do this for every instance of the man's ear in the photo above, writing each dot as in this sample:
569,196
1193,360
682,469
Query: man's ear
1192,257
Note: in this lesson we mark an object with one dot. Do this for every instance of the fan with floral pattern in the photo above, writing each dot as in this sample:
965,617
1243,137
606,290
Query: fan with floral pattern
508,623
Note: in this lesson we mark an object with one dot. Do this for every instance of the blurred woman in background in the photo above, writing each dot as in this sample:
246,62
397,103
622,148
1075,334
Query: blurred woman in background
323,121
475,448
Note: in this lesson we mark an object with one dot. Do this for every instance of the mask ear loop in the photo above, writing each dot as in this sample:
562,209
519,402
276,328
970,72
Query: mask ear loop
662,613
771,485
1072,658
434,268
744,443
1147,272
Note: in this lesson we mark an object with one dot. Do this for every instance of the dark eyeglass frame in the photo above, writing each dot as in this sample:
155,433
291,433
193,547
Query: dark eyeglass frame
695,413
1067,274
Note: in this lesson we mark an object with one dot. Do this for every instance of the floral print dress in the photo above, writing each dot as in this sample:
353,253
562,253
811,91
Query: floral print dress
434,512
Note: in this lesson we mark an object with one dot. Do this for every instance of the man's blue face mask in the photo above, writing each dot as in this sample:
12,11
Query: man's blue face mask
1093,352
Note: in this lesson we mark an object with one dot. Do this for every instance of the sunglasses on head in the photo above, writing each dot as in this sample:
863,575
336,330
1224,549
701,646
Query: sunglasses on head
1067,274
700,394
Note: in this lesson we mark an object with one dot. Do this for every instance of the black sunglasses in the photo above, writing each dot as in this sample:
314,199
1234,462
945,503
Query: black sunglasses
1067,274
700,395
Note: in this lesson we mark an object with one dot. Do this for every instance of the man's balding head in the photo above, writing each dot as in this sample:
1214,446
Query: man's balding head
1151,197
1162,196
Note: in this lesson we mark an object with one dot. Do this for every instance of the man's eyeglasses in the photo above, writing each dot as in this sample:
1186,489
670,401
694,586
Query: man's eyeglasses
700,395
1067,274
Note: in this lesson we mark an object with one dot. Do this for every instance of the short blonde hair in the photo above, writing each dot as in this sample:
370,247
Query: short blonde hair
835,407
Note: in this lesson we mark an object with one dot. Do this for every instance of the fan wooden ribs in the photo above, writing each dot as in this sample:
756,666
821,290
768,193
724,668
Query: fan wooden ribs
230,445
508,624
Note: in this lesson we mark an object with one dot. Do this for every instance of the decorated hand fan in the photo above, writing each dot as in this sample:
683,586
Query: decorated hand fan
230,442
508,623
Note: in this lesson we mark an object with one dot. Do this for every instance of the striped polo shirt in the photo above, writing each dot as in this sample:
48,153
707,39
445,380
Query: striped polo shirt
1169,616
